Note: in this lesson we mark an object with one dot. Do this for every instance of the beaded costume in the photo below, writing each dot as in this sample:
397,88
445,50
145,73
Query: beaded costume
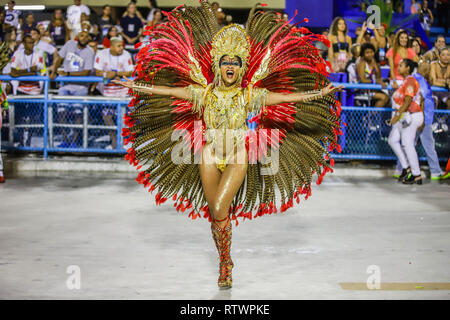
276,57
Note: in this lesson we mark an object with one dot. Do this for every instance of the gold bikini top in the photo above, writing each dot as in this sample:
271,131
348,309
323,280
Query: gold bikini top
227,108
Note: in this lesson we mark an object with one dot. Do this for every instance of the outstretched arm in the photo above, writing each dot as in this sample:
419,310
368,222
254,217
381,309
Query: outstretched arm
180,93
274,98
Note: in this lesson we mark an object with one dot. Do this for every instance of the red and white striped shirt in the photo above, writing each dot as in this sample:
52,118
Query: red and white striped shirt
105,61
21,61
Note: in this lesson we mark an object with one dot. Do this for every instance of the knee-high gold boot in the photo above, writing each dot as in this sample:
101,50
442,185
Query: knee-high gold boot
222,239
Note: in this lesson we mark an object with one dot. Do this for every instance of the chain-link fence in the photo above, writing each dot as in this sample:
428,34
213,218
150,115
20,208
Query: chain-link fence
51,123
366,134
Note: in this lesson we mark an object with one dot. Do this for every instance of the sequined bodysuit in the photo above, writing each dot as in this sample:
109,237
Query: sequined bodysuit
226,108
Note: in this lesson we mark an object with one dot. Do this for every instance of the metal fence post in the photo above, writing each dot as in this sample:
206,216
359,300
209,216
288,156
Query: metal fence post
46,82
85,126
119,120
11,124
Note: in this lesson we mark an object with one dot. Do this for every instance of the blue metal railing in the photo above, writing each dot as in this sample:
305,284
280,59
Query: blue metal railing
365,136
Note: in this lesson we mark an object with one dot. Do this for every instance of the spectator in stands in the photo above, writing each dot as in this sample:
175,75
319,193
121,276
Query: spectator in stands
415,7
221,18
87,26
442,13
58,28
45,35
339,51
74,17
426,17
415,45
381,44
93,44
406,121
11,39
27,61
13,17
391,39
357,33
112,33
153,8
350,67
368,71
43,47
138,14
364,35
157,18
2,22
131,25
113,63
104,22
78,60
440,75
433,54
215,6
28,25
322,47
399,51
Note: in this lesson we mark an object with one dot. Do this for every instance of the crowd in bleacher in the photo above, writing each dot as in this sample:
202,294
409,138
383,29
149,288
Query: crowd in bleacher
78,42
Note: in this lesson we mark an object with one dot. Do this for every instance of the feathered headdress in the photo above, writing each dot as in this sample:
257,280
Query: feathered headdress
231,40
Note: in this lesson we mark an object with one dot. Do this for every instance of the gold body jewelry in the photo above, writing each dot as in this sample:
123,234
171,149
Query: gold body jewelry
225,111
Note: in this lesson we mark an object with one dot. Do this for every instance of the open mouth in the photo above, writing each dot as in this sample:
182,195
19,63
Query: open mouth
230,74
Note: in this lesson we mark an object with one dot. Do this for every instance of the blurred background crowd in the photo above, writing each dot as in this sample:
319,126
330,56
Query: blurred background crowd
80,40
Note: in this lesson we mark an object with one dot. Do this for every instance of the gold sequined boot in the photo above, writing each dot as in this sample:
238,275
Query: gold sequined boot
222,239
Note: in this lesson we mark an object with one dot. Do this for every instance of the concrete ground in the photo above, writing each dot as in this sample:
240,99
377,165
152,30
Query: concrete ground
109,235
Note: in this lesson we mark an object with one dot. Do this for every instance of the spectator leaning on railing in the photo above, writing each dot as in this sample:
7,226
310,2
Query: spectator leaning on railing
368,71
112,63
78,60
27,62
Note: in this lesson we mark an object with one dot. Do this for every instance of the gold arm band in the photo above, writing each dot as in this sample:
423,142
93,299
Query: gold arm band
140,87
313,97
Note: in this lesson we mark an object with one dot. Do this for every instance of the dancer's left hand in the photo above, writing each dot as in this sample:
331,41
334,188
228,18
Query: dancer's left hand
330,89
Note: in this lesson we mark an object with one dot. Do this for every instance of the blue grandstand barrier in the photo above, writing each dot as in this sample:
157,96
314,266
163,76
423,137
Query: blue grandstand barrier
92,124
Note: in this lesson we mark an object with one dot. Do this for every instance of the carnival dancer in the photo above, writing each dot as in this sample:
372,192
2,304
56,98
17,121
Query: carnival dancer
253,106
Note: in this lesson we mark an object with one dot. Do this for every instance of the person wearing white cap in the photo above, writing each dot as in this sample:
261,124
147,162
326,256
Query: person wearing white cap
112,63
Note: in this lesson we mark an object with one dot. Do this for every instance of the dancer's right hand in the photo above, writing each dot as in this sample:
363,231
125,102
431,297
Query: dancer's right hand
127,83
